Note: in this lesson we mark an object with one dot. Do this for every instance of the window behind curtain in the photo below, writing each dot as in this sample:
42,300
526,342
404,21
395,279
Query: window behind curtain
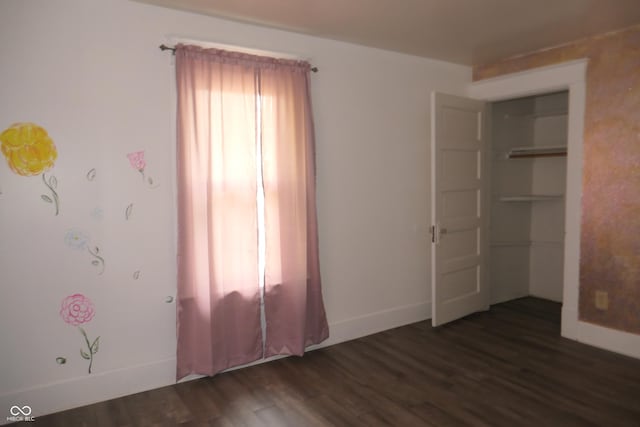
229,106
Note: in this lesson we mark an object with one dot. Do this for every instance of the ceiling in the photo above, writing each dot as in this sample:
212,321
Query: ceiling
470,32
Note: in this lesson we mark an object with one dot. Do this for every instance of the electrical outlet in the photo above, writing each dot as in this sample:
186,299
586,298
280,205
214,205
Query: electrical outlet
602,300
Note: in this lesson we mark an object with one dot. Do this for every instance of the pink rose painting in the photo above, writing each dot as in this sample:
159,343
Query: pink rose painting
76,310
137,161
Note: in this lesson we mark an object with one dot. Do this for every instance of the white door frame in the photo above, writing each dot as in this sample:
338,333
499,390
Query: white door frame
569,76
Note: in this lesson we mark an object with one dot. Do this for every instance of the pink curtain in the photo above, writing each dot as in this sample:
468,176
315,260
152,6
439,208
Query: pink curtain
294,310
218,293
229,104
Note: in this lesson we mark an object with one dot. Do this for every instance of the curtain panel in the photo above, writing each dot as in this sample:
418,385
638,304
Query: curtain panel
230,105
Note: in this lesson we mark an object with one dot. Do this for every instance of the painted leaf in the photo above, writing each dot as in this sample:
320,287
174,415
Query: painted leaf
53,182
96,249
127,212
95,346
95,262
91,175
84,355
136,274
150,181
46,198
61,360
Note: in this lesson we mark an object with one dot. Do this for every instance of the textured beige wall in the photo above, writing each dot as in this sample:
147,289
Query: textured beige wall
610,236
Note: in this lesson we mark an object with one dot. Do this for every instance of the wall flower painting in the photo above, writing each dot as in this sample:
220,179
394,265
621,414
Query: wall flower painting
76,310
137,161
29,152
80,241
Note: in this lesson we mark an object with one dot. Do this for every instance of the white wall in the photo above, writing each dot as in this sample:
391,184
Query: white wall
90,72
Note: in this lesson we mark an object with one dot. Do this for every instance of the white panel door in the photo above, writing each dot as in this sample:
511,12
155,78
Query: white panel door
458,175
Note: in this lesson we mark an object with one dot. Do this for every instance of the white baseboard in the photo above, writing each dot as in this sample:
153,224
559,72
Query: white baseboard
68,394
361,326
598,336
59,396
569,322
609,339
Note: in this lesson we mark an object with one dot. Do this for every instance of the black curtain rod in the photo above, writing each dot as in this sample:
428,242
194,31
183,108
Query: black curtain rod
164,47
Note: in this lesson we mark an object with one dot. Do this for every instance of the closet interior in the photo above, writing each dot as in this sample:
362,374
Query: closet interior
528,183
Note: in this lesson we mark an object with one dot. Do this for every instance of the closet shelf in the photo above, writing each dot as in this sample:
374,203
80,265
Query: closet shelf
531,197
536,151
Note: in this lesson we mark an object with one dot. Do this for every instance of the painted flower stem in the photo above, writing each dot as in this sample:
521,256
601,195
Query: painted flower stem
147,180
93,348
56,201
98,259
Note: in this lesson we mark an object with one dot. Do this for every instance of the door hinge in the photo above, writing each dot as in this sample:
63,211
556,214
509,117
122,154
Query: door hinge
433,234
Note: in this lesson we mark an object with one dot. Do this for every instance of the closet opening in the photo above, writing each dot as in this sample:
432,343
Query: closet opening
528,181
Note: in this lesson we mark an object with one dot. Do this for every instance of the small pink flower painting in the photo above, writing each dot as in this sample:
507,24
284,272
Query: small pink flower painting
137,161
76,310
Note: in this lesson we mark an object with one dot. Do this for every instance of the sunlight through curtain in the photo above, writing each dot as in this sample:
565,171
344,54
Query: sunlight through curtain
230,105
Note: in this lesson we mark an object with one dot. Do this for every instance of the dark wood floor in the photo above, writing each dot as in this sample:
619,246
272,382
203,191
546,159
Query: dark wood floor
506,367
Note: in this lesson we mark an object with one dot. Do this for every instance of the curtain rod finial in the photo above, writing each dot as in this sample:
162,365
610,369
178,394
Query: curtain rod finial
164,47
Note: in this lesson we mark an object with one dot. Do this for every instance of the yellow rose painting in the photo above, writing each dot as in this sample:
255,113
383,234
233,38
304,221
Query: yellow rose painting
30,151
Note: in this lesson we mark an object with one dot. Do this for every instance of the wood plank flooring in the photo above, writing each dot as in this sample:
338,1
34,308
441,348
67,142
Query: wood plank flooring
506,367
